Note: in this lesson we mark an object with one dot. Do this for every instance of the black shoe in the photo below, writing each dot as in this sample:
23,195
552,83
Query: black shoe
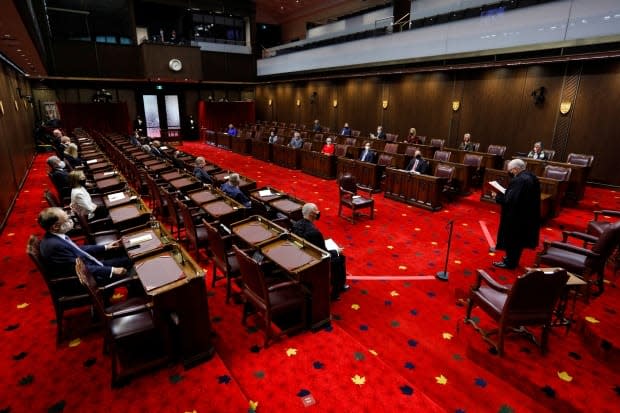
502,264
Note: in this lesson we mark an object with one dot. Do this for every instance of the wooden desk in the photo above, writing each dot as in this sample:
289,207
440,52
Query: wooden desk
202,196
489,160
578,176
261,150
462,175
423,191
172,175
256,230
265,199
288,206
318,164
109,184
98,165
245,184
310,266
129,215
225,210
177,285
142,242
118,198
223,140
186,183
367,175
285,156
103,175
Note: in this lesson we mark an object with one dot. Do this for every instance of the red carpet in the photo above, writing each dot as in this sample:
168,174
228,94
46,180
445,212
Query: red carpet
394,345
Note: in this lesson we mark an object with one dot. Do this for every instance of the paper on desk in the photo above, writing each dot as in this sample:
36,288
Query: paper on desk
109,173
117,196
163,147
92,161
140,239
265,192
331,245
497,186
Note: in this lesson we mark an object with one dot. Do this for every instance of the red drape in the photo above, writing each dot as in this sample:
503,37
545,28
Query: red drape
217,115
104,117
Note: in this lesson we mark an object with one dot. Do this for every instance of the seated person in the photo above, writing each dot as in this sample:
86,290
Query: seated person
379,135
59,176
177,161
81,201
316,126
296,142
200,173
135,138
232,131
346,131
329,147
537,151
467,144
59,252
64,142
305,228
71,156
155,149
231,188
418,165
413,137
368,155
273,138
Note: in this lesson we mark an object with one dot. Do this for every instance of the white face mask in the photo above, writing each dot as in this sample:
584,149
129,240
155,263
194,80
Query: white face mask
62,164
66,226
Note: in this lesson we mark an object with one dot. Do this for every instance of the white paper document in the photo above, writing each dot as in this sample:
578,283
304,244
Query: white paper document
140,239
265,192
90,161
497,186
163,148
109,173
117,196
331,245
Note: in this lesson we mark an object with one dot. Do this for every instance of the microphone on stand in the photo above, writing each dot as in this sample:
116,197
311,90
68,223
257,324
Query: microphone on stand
443,275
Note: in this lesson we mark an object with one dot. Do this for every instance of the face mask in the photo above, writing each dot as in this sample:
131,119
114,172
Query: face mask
62,164
83,182
418,157
317,215
66,227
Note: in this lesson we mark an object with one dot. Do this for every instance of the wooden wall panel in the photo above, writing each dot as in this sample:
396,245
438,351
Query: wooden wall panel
594,124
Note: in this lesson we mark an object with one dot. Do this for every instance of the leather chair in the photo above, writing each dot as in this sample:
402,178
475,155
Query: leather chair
307,146
355,133
385,159
349,198
549,154
410,151
437,143
270,301
422,139
580,159
391,137
65,291
131,336
597,226
476,146
530,301
98,231
446,172
341,150
196,233
471,159
390,147
582,261
497,150
175,219
443,156
559,173
224,259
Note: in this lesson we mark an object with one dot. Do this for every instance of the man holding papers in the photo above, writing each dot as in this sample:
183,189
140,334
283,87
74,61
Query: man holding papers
305,228
519,224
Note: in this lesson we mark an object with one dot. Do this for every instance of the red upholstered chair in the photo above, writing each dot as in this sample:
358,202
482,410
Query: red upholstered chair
390,147
443,156
580,159
341,150
447,172
585,262
437,143
350,199
530,301
598,225
549,154
385,159
222,255
497,150
391,137
271,301
196,233
350,141
471,159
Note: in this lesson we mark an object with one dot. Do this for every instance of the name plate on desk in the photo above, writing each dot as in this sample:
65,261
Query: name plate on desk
155,272
117,196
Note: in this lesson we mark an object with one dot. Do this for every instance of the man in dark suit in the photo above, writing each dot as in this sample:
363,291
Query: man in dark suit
305,228
380,134
418,165
59,252
139,125
200,173
231,188
519,224
59,176
368,155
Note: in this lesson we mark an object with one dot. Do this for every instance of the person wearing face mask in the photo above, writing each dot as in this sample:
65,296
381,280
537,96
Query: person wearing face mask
59,176
81,201
519,224
59,252
273,138
418,165
368,155
328,148
306,229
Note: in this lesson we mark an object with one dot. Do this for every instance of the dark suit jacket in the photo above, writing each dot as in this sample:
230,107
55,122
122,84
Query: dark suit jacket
235,193
371,156
60,178
309,232
423,166
202,175
59,257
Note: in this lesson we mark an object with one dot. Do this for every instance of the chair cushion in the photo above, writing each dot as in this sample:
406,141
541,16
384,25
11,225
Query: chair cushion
570,261
131,324
493,298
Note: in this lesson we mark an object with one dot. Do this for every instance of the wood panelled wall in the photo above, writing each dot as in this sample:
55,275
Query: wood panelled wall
17,146
496,107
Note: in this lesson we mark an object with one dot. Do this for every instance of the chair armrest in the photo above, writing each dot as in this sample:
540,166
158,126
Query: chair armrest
579,235
281,285
364,189
119,283
570,248
608,212
347,192
130,310
482,275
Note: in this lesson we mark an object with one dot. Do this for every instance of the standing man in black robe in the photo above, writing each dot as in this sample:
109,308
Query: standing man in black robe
519,224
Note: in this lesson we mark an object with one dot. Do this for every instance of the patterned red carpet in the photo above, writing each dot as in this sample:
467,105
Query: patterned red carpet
395,344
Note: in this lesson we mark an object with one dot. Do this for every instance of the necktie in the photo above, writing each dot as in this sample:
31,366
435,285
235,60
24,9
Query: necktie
81,253
365,157
415,165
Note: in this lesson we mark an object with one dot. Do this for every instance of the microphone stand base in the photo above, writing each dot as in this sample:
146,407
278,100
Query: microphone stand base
442,275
